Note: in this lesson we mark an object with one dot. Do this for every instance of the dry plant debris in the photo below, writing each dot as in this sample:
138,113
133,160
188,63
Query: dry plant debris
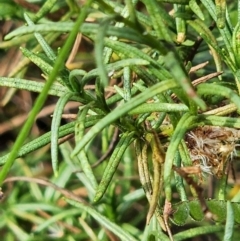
211,147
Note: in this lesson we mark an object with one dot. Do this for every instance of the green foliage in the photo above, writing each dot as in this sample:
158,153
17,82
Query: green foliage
151,56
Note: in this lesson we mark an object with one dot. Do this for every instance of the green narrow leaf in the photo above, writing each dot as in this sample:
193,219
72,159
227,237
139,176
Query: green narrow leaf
222,187
66,150
162,32
40,141
173,63
122,110
127,83
236,43
100,94
113,67
193,232
238,10
46,7
55,218
99,46
156,236
131,10
111,168
45,46
87,169
9,9
158,107
229,226
196,9
215,89
80,123
43,65
225,32
179,159
111,226
20,234
207,35
46,138
74,81
43,95
107,53
237,79
220,12
175,1
181,128
220,121
89,29
82,156
56,121
180,22
236,210
30,85
127,51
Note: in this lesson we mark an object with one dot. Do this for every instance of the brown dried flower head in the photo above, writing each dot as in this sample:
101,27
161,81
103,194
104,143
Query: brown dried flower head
211,147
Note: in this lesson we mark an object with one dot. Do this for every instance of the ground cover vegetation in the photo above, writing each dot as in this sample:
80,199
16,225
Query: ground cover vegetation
119,120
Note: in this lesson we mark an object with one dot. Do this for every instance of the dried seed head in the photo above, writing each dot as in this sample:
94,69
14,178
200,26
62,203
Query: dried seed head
211,147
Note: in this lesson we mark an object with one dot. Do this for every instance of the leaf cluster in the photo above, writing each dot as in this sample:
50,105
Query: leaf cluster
148,86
